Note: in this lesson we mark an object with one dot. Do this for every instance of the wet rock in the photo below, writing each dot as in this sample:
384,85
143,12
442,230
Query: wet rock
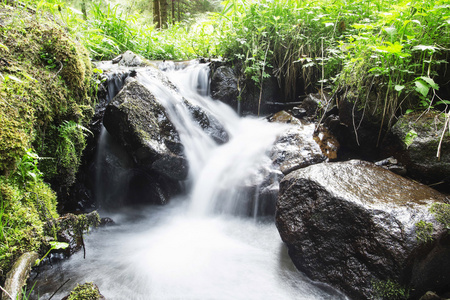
224,85
141,125
71,229
241,93
106,221
327,142
431,296
392,165
296,148
171,166
353,225
358,131
209,124
130,59
311,104
18,275
414,142
117,59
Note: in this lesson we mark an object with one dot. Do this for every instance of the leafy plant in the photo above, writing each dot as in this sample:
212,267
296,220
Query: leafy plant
54,245
409,138
27,168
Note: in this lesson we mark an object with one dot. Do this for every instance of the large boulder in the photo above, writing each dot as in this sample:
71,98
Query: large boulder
362,229
136,119
414,142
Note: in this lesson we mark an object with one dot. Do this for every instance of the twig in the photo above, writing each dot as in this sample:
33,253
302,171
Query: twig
59,288
446,123
82,244
262,78
7,294
58,70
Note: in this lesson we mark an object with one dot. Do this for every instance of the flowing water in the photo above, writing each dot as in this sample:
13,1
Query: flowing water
199,246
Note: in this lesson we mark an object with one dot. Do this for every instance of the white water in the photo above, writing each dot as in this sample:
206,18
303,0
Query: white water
189,249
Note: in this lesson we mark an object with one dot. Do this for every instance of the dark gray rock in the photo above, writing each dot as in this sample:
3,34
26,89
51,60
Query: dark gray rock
353,224
414,142
141,125
230,86
224,85
174,167
296,148
209,124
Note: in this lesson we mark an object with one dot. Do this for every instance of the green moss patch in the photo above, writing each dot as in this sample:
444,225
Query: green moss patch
46,100
87,291
24,211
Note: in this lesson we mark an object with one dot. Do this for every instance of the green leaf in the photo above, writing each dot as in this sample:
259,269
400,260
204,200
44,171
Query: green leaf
422,87
58,245
409,138
425,47
430,81
408,111
398,88
446,102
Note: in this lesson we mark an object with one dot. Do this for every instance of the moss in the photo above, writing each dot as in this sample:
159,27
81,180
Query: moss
45,98
87,291
441,212
389,289
424,231
46,81
25,210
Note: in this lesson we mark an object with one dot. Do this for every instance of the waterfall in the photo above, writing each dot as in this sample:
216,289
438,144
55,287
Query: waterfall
218,173
200,245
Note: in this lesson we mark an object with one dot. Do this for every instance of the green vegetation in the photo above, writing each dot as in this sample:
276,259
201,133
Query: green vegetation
87,291
46,97
53,246
390,289
424,231
441,212
388,56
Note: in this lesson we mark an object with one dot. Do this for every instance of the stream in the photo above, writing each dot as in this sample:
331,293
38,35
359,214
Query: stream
203,244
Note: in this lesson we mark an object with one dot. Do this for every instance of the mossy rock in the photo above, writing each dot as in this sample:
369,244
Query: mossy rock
24,211
414,141
45,86
86,291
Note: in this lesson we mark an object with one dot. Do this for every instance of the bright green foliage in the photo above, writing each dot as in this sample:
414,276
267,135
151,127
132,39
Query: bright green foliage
87,291
424,231
45,79
390,290
64,146
441,211
396,47
24,210
409,138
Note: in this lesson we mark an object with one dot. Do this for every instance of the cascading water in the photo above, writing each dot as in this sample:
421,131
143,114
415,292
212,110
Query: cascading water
199,246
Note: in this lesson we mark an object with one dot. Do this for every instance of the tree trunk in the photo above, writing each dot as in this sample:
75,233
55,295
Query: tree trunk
156,14
163,9
173,12
83,9
179,11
